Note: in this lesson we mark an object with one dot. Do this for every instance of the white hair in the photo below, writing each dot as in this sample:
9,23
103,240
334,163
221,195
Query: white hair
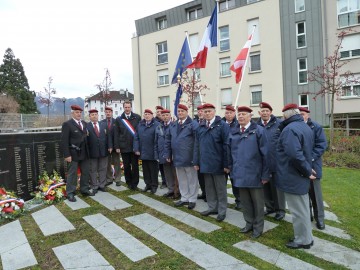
288,113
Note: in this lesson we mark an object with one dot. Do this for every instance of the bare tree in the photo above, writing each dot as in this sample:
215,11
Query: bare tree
332,79
104,87
8,104
46,97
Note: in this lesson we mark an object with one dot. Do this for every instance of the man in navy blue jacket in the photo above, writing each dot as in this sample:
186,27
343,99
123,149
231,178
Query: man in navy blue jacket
319,148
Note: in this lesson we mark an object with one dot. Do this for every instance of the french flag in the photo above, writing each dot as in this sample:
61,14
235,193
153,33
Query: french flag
209,40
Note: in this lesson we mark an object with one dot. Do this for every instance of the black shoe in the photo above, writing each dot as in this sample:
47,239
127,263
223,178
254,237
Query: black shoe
176,196
201,196
320,225
102,189
153,190
168,194
268,212
292,240
293,245
134,188
71,197
208,212
256,235
89,193
163,186
108,184
181,203
279,216
146,188
246,229
95,191
220,218
118,184
191,205
238,206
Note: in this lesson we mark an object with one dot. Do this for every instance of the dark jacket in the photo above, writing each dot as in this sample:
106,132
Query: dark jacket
233,122
179,143
320,145
74,140
293,154
123,139
98,146
272,136
211,146
247,156
110,131
144,141
159,150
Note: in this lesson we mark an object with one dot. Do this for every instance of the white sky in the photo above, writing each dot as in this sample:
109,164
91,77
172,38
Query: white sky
73,41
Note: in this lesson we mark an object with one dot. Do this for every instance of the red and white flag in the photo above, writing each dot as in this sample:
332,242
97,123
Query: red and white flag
240,60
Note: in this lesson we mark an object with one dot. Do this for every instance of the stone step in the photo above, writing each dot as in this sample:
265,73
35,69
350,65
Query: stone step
51,221
202,254
15,250
81,255
110,201
79,204
177,214
122,240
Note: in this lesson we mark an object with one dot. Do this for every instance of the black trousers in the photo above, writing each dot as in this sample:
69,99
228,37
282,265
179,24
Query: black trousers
201,178
161,169
151,172
131,169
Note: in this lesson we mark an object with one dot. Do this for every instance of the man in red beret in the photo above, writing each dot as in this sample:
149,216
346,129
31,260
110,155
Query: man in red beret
159,118
179,148
248,152
75,149
274,198
319,148
294,169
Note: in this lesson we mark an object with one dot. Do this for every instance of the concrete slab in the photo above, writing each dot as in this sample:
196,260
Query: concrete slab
15,251
331,216
51,221
274,256
113,186
122,240
195,250
326,205
177,214
335,253
110,201
81,255
79,204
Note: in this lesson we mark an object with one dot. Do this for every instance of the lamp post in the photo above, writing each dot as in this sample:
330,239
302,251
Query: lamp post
64,100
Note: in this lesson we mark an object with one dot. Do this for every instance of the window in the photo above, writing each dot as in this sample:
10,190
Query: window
350,46
197,74
304,101
161,23
197,100
256,94
224,38
165,102
194,13
226,97
194,44
115,105
162,53
251,1
163,77
255,62
351,91
300,35
226,4
116,112
302,70
225,67
348,12
299,5
256,37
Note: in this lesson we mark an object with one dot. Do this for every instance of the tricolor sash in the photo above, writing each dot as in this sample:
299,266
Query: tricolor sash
54,186
128,126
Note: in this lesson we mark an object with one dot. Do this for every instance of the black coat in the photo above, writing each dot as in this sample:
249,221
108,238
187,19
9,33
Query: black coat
123,139
74,140
112,128
98,146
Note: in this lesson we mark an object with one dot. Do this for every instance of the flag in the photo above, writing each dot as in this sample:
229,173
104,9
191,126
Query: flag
209,40
183,61
177,99
240,61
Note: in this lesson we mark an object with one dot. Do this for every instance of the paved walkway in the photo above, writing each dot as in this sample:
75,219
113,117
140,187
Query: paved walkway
16,253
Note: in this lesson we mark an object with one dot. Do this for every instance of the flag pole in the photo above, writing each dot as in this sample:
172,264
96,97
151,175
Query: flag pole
243,74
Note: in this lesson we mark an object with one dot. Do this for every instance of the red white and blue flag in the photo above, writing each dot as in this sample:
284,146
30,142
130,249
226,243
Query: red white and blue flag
128,126
209,40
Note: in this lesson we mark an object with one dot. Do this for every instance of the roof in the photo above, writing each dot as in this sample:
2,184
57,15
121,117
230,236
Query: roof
114,95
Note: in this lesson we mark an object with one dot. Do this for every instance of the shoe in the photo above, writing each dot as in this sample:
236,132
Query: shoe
268,212
153,190
220,218
118,184
292,240
201,196
238,206
208,213
176,196
146,188
163,186
134,188
279,216
191,205
95,191
181,203
102,189
89,193
205,200
109,183
320,225
71,197
256,235
168,194
246,229
293,245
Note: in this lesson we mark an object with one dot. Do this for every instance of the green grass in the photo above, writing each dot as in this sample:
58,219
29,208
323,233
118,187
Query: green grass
341,189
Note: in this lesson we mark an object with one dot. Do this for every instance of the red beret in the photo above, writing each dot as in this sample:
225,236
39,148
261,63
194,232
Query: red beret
76,108
200,107
148,111
265,105
165,111
183,107
230,108
244,109
108,108
93,111
290,106
303,109
159,107
208,106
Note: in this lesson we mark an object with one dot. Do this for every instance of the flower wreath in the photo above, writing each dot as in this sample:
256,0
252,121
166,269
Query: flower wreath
50,189
10,206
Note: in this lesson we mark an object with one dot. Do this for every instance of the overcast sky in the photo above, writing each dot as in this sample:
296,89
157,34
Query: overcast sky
73,41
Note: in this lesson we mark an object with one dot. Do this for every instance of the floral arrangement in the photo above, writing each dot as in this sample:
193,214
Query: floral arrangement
10,206
51,189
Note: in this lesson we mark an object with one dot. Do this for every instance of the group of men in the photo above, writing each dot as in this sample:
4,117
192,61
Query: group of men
268,162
